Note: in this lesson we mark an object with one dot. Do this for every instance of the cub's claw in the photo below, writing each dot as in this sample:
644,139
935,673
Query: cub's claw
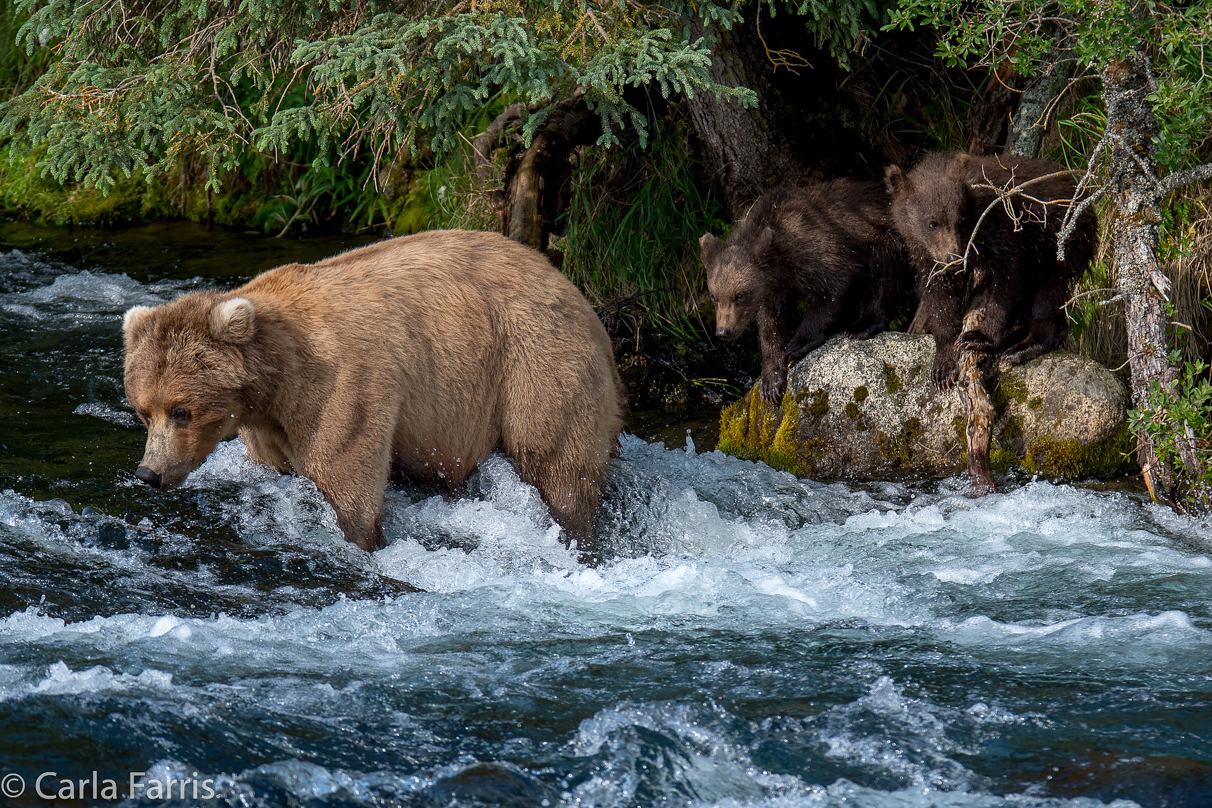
974,341
773,387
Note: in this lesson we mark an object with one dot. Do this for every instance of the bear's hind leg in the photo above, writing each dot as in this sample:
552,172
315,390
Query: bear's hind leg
1049,326
571,494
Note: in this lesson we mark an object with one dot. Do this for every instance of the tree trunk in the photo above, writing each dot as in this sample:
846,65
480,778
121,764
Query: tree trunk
747,145
995,107
1131,127
1030,120
535,192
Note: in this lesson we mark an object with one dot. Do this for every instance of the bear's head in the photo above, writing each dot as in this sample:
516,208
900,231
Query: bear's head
735,279
186,373
932,205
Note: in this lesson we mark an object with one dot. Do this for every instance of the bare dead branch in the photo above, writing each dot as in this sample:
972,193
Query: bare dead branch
1177,180
1003,195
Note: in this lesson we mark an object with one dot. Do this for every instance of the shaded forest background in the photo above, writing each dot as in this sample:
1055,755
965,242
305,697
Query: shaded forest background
619,200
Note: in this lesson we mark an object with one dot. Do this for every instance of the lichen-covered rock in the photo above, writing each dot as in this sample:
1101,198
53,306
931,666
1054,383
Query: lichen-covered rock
863,408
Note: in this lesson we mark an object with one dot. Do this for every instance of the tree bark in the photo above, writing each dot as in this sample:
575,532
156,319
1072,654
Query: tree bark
535,192
975,369
1131,127
989,123
747,145
1030,121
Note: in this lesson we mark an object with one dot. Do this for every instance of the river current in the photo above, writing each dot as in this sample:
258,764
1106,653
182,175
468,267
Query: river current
752,639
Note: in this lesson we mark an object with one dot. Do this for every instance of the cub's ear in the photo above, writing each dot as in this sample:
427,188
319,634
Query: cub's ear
709,245
135,322
960,168
233,320
763,241
895,179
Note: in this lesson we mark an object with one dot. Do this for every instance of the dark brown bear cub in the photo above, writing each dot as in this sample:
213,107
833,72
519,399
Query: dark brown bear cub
1017,286
830,245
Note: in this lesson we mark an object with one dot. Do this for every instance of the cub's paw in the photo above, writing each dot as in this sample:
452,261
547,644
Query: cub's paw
945,371
1024,351
773,386
974,341
798,348
866,333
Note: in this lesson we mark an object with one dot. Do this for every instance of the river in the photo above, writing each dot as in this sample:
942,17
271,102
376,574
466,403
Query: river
753,639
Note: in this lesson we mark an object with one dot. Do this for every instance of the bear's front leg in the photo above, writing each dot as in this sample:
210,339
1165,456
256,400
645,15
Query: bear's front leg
942,313
773,333
352,475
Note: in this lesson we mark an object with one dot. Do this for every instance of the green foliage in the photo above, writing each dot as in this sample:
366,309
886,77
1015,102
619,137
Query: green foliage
1094,33
1178,419
837,27
134,85
632,234
130,87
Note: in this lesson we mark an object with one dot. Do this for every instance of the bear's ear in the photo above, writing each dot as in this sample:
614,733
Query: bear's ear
960,169
895,179
135,322
763,241
233,320
708,246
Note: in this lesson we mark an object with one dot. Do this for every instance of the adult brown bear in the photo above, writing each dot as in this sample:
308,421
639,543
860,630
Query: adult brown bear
423,353
1013,279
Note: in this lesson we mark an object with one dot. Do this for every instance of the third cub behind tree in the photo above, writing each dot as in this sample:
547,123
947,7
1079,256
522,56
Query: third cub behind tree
830,245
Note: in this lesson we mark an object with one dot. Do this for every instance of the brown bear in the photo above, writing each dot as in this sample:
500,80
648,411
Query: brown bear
829,245
1013,279
423,353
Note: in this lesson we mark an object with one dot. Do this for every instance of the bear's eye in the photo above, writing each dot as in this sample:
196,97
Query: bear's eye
739,297
180,415
933,225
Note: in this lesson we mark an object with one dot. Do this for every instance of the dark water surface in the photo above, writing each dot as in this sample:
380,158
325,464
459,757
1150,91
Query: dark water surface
755,639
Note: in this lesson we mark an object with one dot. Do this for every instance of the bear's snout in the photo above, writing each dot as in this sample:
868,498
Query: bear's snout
722,332
152,478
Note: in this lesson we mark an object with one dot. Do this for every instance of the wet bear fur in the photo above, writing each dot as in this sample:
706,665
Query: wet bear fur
421,354
829,247
1014,285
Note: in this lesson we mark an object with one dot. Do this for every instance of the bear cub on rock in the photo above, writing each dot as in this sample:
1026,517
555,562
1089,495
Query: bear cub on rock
1013,285
421,354
828,244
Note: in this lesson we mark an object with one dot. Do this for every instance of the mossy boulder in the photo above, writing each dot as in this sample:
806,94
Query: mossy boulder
864,408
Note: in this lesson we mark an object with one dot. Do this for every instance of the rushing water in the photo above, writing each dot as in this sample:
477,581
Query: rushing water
754,639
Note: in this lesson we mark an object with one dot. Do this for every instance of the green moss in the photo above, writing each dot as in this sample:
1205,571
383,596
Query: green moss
898,448
1003,460
1012,429
786,452
960,424
26,193
1010,388
1035,403
752,429
852,410
820,403
892,382
860,393
1070,459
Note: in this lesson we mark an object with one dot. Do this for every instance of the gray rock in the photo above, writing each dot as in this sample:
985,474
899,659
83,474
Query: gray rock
863,408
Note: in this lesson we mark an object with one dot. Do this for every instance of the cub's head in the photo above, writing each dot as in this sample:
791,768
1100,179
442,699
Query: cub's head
185,371
932,205
735,279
